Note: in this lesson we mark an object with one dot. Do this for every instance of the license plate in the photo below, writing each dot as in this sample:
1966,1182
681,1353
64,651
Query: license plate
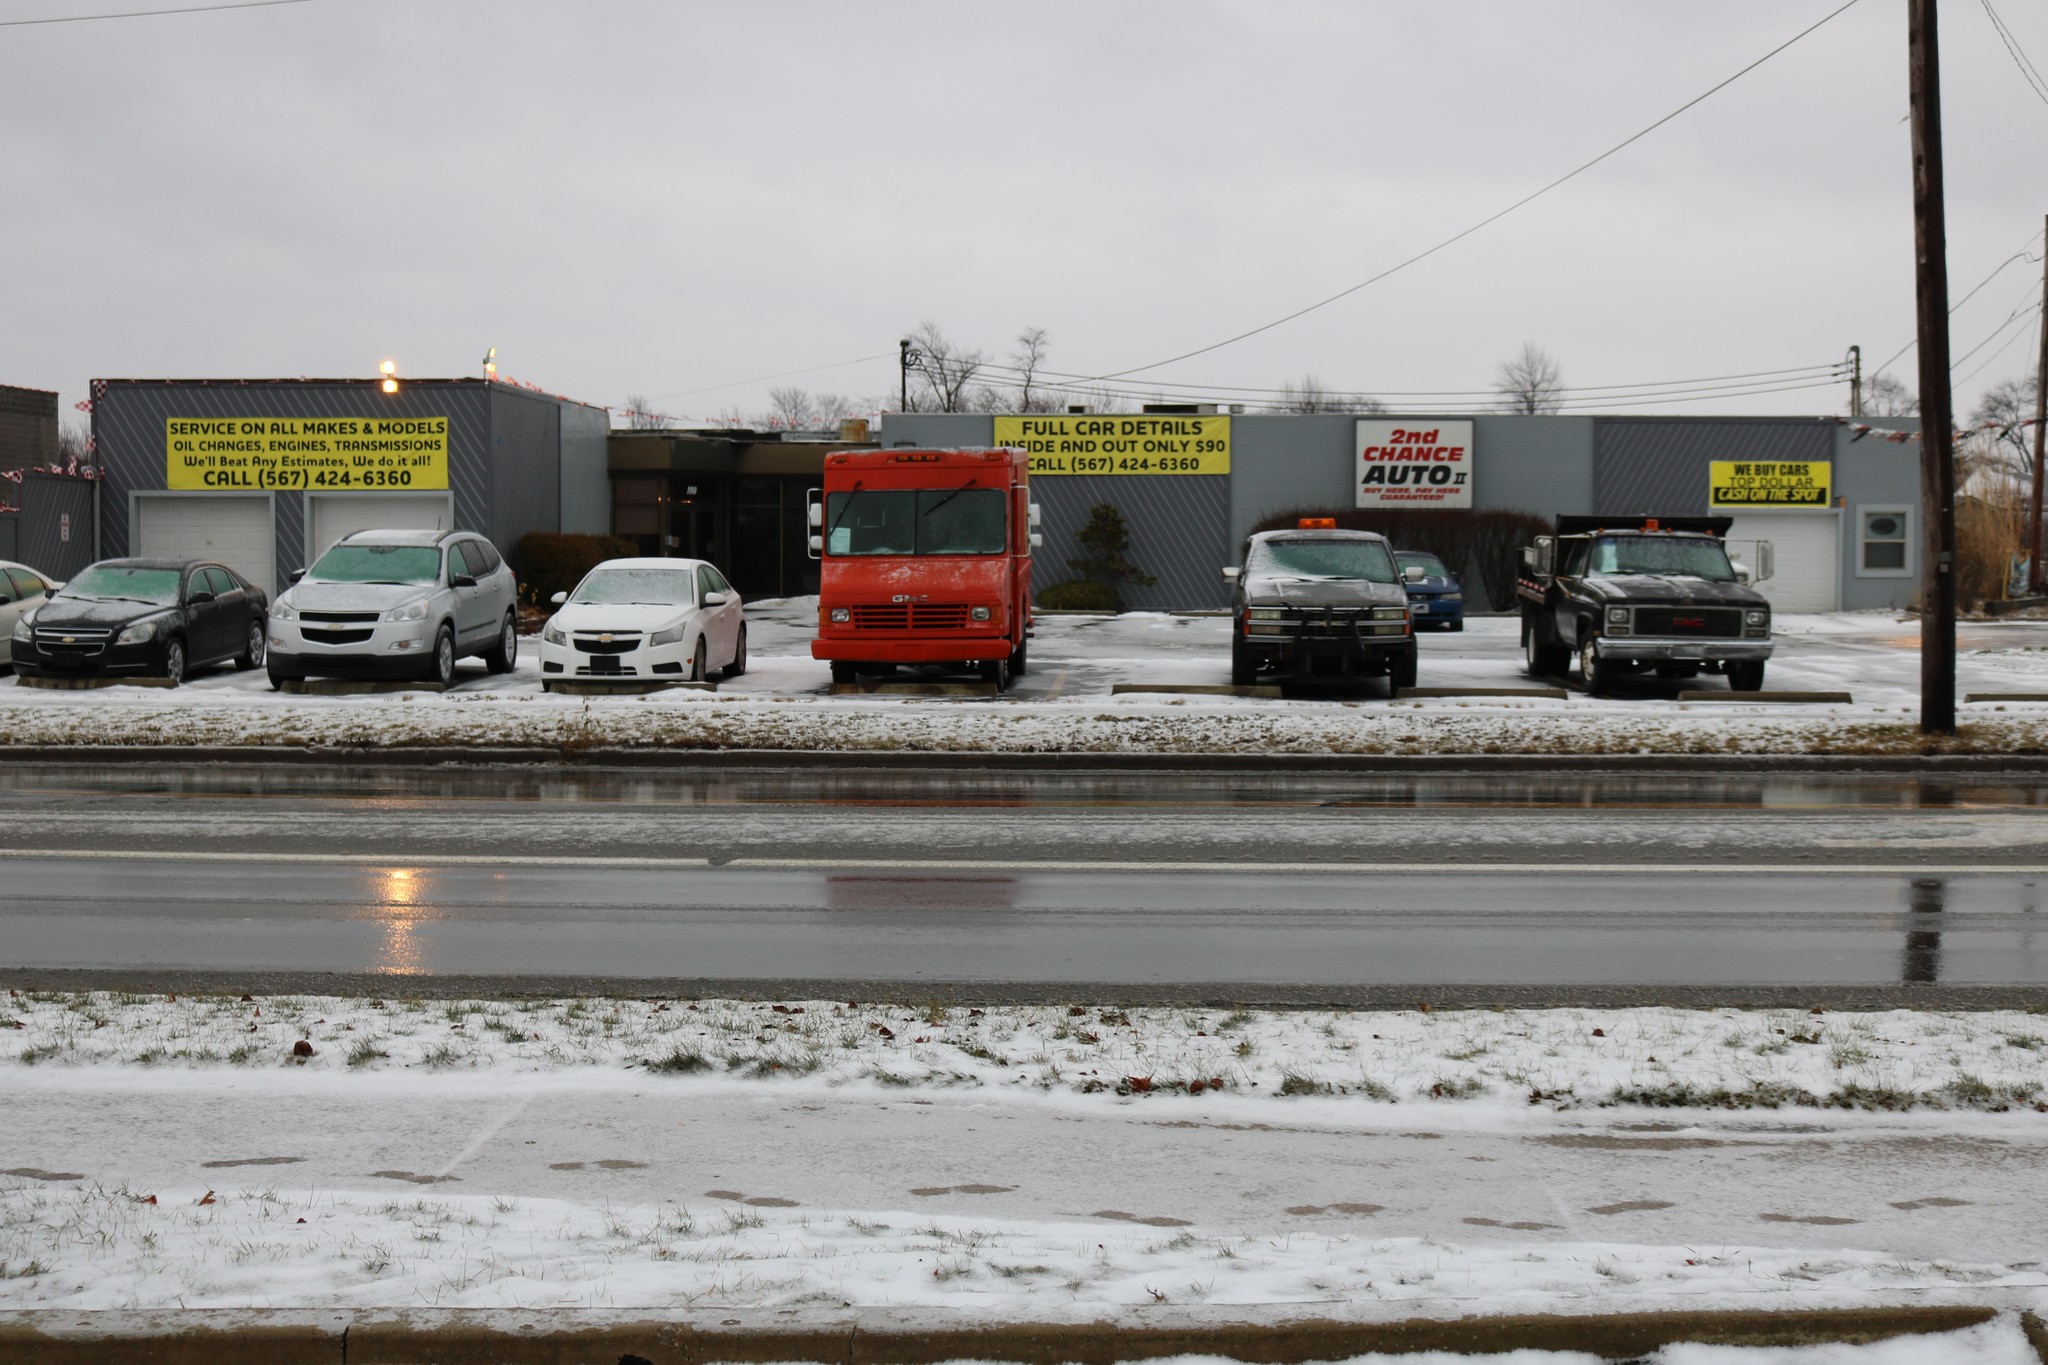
604,663
1687,652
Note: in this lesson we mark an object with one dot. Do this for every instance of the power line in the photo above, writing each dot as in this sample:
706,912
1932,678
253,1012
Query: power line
1986,363
2020,59
1486,222
148,13
2020,255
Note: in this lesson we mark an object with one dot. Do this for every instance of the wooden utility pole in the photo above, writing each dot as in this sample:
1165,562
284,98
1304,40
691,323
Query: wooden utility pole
2034,583
1855,381
1937,424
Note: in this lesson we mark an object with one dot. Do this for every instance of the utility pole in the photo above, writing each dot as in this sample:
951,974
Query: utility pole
1937,424
1855,381
2040,426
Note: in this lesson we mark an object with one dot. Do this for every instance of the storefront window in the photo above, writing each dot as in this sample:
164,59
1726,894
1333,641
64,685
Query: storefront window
1884,534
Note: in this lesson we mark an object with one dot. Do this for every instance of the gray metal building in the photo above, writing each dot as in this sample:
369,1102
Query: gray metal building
504,461
50,528
1860,550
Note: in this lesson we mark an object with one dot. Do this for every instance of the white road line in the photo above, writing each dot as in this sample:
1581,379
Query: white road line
914,866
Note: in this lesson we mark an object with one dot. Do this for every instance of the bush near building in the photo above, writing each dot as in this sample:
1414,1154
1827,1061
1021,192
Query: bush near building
1077,594
549,562
1482,547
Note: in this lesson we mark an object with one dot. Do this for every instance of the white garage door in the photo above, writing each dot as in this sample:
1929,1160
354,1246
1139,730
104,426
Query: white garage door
330,516
1808,553
236,531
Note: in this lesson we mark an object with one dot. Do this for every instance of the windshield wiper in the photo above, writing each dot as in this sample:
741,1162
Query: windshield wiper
845,507
943,501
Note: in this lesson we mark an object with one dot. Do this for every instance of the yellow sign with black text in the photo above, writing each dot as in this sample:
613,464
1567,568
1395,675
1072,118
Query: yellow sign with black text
1769,483
1088,443
236,454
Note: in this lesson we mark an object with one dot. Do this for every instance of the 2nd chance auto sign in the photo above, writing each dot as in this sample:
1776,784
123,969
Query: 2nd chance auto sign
1768,483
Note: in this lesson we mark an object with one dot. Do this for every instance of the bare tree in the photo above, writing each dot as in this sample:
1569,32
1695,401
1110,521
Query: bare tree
1886,395
1029,358
946,372
1309,395
791,409
2009,404
640,415
1531,382
74,445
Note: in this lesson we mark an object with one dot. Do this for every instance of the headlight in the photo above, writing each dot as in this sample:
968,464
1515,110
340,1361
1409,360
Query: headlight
140,633
21,626
841,615
411,611
1619,615
977,613
552,633
1390,613
281,610
1452,597
1267,613
1757,618
672,636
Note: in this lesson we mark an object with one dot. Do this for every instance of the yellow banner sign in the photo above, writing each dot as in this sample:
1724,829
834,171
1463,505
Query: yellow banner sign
1769,483
313,453
1083,443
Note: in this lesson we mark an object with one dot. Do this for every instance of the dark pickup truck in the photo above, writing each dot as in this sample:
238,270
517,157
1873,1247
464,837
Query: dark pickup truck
1320,603
1626,594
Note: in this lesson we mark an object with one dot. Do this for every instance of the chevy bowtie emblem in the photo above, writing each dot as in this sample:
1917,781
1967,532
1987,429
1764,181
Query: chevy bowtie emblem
604,639
71,639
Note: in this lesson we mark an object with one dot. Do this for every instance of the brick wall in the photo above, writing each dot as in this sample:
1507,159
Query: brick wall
28,427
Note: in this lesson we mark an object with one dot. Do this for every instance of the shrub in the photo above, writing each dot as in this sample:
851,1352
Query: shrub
1077,594
548,562
1107,542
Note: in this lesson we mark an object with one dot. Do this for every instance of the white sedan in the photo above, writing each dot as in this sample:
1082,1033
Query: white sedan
645,620
22,590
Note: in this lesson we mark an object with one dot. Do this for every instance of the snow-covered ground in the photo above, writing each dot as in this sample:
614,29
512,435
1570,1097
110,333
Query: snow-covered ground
1013,1163
1064,703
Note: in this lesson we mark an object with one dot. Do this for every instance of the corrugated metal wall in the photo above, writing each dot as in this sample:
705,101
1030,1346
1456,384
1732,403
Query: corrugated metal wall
128,431
1652,465
10,522
526,467
41,539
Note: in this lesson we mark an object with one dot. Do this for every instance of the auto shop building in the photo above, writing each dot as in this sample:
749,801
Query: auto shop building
1840,508
265,474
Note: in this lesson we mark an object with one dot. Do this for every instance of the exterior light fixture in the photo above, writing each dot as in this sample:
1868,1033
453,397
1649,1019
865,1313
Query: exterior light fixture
491,363
389,369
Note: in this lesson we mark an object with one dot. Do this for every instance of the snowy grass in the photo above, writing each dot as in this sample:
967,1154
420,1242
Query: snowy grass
1560,1059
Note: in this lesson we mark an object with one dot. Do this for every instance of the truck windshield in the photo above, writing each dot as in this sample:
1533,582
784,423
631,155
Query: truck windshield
1367,559
1673,556
925,521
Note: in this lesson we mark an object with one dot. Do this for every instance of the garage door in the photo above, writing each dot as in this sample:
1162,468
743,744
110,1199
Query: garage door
1808,554
236,531
330,516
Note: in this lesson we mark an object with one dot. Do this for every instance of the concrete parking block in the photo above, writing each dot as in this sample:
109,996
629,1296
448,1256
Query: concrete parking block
351,687
1840,698
1271,691
914,689
585,688
1548,693
2006,696
84,684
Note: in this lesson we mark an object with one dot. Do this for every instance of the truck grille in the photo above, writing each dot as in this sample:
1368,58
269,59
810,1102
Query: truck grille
1716,623
912,616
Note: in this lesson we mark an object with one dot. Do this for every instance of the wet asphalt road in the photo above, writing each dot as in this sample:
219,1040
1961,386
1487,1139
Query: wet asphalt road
1302,889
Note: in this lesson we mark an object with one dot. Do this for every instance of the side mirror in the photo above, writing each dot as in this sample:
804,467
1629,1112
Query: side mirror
5,600
559,598
1546,553
817,545
714,599
816,514
1414,573
1230,574
198,597
1036,540
295,575
1035,517
461,580
1766,561
1741,570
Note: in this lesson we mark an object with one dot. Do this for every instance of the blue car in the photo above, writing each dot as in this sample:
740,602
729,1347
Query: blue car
1434,596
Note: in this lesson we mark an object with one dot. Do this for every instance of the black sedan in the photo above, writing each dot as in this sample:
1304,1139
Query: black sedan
157,618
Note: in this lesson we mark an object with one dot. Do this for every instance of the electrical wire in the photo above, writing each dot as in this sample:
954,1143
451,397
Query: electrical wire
2020,255
148,13
2028,72
1494,218
2025,315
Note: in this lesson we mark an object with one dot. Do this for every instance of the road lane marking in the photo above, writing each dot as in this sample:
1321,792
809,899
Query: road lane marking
915,866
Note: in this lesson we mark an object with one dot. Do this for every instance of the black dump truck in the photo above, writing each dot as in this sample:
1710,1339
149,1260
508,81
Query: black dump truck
1627,594
1320,603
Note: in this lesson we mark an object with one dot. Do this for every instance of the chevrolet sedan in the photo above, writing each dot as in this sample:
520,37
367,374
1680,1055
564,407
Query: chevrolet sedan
645,620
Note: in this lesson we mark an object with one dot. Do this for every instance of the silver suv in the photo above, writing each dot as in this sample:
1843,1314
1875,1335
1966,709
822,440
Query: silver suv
397,604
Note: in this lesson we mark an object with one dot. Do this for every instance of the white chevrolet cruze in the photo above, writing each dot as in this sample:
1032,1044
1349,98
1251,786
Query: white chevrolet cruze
645,620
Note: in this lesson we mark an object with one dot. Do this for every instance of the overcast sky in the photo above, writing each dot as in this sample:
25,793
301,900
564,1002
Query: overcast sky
672,199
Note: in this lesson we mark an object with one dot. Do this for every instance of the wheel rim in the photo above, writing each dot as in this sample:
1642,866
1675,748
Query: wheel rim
1589,662
444,658
255,645
174,661
697,662
509,644
739,651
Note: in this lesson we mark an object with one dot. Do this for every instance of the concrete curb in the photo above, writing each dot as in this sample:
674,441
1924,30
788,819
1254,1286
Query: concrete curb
1274,764
558,1338
1838,698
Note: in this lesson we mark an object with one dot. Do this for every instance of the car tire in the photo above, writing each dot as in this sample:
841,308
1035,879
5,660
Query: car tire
504,656
253,649
280,676
1018,660
844,672
739,656
1745,675
1597,676
1458,624
697,661
174,660
1244,666
441,663
1541,660
997,671
546,686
